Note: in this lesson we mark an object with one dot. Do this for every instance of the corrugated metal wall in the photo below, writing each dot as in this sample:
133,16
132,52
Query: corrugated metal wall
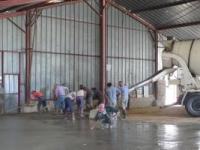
131,49
12,59
65,42
12,43
66,48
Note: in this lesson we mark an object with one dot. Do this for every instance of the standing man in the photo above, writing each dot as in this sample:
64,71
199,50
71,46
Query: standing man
97,95
88,98
111,93
60,92
123,96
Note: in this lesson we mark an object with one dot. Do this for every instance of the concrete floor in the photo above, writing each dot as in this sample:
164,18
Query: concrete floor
47,132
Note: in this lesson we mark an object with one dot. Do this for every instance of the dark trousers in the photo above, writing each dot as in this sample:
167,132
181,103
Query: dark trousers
68,105
42,103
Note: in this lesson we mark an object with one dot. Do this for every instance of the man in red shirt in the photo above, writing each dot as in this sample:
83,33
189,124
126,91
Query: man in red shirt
39,96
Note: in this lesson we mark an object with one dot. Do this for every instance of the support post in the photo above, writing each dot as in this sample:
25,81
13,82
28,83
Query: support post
19,95
19,85
103,49
28,56
156,64
2,68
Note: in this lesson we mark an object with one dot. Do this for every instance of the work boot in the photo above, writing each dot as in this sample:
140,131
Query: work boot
124,113
73,116
46,109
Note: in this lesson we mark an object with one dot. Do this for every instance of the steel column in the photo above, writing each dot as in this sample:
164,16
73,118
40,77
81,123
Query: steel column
103,53
2,68
19,85
28,56
156,64
19,95
156,51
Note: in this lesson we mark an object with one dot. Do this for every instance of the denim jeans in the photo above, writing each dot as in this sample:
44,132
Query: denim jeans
68,105
59,103
112,103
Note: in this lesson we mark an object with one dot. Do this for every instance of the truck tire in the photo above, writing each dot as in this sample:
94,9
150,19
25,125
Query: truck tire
192,105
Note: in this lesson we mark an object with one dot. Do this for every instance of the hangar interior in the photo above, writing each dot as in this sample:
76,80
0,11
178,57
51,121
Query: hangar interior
93,42
62,43
87,42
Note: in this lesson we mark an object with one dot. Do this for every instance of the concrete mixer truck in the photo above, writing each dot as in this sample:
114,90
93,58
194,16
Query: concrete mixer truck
183,57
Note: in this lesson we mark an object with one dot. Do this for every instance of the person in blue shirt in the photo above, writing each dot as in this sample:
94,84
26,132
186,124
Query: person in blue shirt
124,95
111,93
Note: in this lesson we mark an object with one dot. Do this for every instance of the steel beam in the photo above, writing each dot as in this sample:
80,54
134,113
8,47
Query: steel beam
152,35
103,48
179,25
107,3
28,56
89,5
35,15
163,6
11,3
8,15
134,16
16,25
22,11
47,5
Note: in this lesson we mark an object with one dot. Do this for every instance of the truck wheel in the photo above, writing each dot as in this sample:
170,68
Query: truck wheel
193,105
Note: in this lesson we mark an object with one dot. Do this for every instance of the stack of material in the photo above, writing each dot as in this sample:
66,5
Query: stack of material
161,93
141,98
30,108
50,105
141,102
139,93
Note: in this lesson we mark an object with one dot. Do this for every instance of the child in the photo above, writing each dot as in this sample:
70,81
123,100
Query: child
101,115
69,101
39,96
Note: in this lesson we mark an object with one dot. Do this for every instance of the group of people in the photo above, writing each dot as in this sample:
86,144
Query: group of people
115,98
118,96
64,99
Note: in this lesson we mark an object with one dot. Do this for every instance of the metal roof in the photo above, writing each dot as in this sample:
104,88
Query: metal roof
7,6
178,18
183,33
12,5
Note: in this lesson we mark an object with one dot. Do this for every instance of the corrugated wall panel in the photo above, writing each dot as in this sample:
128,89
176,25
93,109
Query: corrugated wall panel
69,36
131,49
66,48
12,47
12,37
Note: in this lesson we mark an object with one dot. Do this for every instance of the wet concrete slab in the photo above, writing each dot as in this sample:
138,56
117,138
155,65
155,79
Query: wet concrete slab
47,132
